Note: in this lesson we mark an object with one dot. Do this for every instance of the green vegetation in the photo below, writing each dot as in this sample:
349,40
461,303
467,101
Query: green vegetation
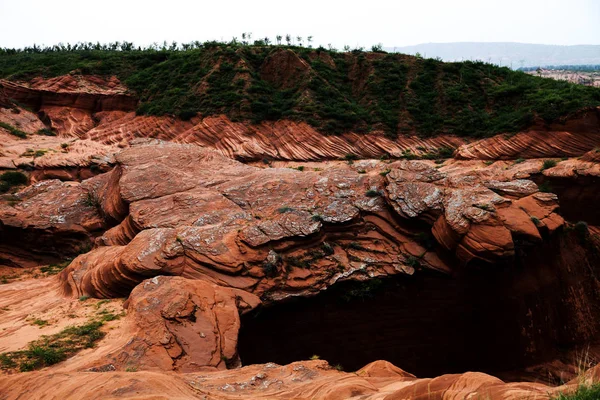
92,200
11,179
52,349
545,187
548,164
54,269
372,193
338,92
46,132
583,392
12,130
582,230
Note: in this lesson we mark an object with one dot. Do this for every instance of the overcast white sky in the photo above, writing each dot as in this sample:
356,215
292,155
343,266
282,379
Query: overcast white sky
363,23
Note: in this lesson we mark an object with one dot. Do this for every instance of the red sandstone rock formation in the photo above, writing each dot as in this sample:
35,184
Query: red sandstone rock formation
182,325
573,137
235,236
101,110
299,380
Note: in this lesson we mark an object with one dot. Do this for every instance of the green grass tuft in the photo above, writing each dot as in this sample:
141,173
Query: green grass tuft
583,392
52,349
13,131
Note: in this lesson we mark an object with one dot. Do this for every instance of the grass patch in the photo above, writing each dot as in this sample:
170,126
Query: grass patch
46,132
583,392
13,131
548,164
52,349
54,269
39,322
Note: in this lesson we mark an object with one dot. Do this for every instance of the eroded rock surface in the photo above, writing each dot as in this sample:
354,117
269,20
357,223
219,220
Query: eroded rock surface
299,380
183,325
184,210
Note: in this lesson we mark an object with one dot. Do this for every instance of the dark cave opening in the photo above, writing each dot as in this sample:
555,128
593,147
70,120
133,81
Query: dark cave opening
496,319
577,196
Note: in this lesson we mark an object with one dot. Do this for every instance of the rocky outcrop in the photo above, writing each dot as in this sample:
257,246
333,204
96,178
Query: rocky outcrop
469,217
51,218
184,210
84,92
574,137
182,325
300,380
205,216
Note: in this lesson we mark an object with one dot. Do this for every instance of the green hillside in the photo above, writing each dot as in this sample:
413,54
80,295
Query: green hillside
333,91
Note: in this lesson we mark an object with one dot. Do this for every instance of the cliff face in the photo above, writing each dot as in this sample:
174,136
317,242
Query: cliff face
240,244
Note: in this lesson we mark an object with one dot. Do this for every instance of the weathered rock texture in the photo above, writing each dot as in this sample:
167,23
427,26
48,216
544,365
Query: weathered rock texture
195,238
102,110
572,138
47,221
300,380
183,325
183,210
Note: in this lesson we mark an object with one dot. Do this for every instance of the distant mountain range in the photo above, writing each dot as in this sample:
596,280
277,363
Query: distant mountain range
515,55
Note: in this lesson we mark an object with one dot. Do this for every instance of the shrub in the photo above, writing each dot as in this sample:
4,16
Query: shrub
445,152
316,217
4,187
92,200
350,158
14,178
548,164
269,268
582,230
545,187
327,249
413,261
10,179
46,132
372,193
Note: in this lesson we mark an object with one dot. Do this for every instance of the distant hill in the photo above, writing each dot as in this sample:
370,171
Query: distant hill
333,92
515,55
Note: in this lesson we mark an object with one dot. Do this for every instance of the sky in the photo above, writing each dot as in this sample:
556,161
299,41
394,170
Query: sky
353,23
